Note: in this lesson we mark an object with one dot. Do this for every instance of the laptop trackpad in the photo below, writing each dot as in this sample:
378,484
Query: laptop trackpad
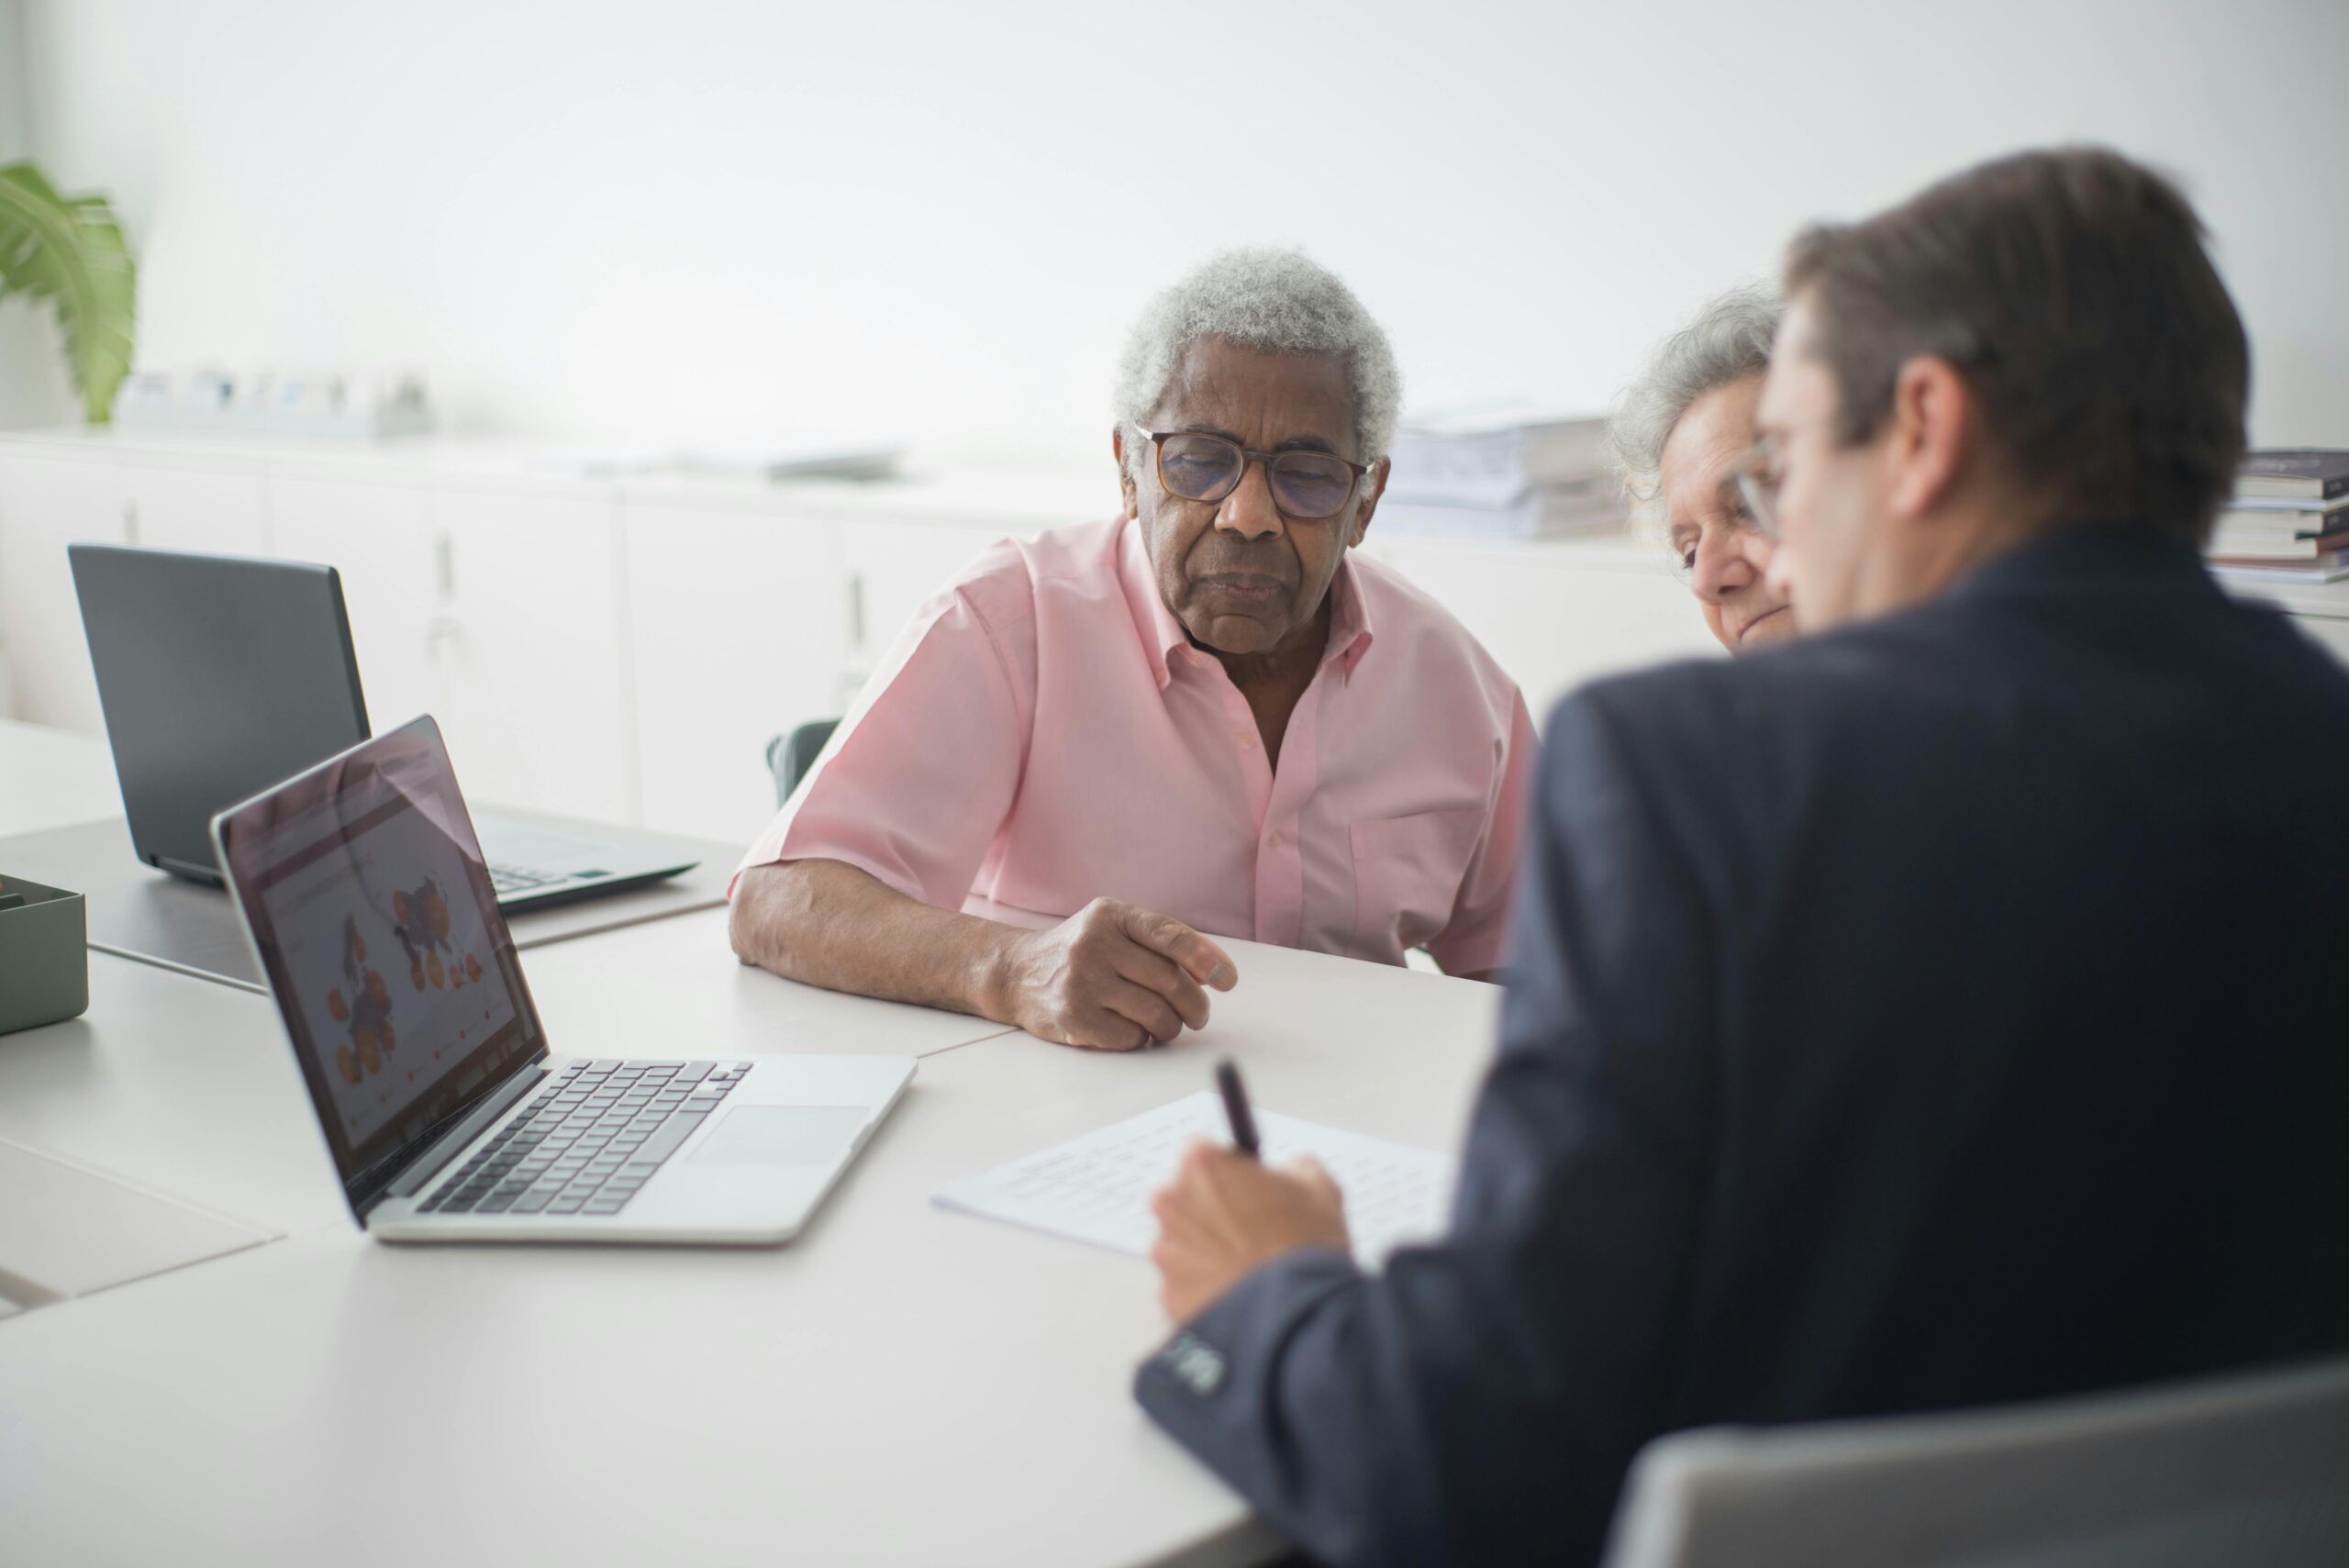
781,1135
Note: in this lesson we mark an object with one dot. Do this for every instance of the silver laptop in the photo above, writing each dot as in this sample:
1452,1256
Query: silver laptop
221,674
363,893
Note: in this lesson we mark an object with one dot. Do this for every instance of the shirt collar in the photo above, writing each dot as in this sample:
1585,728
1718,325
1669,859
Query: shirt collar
1163,638
1164,641
1350,629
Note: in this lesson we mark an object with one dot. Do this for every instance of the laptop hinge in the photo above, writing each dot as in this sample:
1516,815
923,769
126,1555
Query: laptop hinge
450,1144
191,870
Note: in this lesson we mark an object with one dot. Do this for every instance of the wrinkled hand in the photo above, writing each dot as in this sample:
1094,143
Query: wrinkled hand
1112,977
1225,1215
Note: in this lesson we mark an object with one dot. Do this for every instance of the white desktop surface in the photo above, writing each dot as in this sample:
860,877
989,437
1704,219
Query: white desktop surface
177,1083
51,778
673,988
902,1385
190,1087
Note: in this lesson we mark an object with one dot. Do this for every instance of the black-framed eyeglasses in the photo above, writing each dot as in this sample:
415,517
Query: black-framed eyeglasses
1306,485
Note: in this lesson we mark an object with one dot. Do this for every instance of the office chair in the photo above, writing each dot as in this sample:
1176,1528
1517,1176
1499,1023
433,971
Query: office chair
2215,1473
790,756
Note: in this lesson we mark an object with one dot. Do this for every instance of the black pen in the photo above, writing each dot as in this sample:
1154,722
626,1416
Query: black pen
1235,1109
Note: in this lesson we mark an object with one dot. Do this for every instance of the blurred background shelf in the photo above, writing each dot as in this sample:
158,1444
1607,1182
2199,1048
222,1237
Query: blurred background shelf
622,648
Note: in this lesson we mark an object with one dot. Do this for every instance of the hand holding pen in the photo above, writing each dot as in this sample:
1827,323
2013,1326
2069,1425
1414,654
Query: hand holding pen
1226,1213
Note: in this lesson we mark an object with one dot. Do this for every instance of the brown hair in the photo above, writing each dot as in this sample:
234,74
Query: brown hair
2070,288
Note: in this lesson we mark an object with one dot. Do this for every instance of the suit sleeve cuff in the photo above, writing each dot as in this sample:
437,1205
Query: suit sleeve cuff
1210,1386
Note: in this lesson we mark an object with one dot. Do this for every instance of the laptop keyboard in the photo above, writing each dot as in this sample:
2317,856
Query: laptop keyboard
504,880
591,1139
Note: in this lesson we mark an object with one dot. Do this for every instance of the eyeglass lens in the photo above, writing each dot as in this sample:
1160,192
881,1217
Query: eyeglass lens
1207,468
1761,504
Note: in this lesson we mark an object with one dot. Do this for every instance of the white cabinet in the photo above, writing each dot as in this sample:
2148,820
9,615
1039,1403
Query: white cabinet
46,504
738,631
495,609
625,650
379,538
214,509
1556,615
532,692
893,569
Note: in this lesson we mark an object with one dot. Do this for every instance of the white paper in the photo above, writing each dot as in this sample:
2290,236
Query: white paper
1097,1188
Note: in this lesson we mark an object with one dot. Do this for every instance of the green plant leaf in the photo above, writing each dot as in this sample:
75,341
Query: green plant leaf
70,251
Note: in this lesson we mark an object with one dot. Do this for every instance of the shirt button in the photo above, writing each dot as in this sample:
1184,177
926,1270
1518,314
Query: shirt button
1247,742
1273,838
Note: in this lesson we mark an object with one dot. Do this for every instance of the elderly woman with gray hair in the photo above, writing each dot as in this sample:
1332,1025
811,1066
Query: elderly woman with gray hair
1097,748
1678,436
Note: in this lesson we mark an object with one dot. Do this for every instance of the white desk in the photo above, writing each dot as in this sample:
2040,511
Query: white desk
181,1085
60,823
673,987
51,778
190,1087
902,1385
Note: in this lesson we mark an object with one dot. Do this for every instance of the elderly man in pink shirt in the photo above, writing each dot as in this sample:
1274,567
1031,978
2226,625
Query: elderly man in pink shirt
1095,751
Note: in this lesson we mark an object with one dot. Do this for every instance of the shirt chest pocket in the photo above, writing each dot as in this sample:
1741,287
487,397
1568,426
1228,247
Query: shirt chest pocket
1408,872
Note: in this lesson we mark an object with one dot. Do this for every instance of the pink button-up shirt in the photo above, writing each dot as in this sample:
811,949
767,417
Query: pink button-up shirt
1043,734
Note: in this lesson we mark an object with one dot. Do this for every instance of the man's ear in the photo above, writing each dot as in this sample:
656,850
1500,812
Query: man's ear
1125,475
1373,485
1935,421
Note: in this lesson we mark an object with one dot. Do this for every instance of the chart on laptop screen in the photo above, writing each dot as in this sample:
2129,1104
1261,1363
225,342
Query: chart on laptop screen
388,960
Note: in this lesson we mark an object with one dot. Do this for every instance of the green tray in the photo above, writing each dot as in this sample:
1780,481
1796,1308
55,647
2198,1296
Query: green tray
44,956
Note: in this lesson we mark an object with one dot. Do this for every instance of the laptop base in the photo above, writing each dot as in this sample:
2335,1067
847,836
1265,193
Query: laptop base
139,913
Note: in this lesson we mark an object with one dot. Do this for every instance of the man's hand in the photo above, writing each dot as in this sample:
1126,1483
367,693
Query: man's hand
1110,977
1226,1214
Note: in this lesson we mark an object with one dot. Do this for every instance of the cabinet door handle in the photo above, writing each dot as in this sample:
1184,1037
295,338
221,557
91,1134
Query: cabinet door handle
130,523
856,609
444,566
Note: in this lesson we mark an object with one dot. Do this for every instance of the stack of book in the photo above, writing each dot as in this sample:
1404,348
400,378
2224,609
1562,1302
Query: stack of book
2290,519
1477,476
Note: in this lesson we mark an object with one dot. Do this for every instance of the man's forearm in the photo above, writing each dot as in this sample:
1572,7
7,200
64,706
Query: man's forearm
832,925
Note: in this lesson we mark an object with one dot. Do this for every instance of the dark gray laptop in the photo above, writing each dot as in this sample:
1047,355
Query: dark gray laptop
222,675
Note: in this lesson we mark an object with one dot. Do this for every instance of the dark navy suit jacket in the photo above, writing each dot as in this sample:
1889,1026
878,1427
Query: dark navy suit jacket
1947,1010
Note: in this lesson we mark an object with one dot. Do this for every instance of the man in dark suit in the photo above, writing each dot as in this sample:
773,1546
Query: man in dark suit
1939,1011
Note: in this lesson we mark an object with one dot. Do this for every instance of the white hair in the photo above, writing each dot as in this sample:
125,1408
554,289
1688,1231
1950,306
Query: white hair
1729,342
1266,298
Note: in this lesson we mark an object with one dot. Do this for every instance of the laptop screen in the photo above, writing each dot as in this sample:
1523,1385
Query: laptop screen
363,887
219,677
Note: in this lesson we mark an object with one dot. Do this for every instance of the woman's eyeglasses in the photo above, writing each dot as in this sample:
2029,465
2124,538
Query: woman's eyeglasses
1758,477
1760,472
1736,517
1306,485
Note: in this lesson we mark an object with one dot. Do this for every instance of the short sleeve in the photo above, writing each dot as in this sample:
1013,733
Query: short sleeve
1477,939
918,779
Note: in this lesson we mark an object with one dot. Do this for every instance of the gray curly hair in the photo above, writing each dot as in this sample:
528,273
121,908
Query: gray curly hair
1729,340
1265,298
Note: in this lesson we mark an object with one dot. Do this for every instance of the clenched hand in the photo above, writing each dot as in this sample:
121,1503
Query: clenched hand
1111,977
